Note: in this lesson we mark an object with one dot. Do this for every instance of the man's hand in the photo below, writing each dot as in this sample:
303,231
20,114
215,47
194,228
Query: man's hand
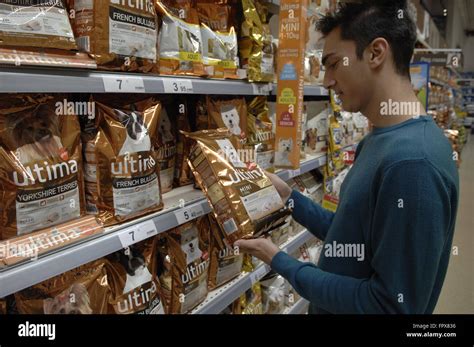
281,186
263,249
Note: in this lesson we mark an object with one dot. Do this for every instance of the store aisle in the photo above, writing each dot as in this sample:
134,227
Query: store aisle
457,295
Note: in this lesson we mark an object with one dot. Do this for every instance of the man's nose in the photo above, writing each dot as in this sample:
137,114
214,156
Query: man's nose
328,82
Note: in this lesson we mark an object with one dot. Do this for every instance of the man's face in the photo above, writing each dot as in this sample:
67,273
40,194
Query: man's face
348,76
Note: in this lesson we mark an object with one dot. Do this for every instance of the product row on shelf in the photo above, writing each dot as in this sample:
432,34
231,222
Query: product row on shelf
188,269
231,39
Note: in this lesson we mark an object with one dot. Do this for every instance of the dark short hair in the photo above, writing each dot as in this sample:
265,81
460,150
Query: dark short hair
367,20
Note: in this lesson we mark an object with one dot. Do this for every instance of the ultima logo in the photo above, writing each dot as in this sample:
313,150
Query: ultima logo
146,5
137,299
130,165
41,174
238,175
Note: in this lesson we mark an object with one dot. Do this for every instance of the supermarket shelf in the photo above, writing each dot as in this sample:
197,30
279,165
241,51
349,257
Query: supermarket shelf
222,297
49,80
299,307
440,83
24,275
177,202
436,106
309,164
309,90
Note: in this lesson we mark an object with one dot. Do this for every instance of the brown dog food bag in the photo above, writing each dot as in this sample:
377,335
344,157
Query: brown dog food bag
180,40
134,281
242,197
35,23
41,164
225,260
166,148
122,170
84,290
228,113
183,267
220,46
182,172
119,34
260,136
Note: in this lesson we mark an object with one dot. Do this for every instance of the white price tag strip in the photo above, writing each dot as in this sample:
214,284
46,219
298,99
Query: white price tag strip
261,88
294,173
178,86
123,84
259,273
137,233
187,214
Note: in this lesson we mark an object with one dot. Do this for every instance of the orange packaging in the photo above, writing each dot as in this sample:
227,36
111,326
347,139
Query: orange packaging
290,83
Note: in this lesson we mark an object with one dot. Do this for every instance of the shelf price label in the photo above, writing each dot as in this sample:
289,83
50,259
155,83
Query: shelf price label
258,274
137,233
190,213
123,84
178,86
294,173
261,88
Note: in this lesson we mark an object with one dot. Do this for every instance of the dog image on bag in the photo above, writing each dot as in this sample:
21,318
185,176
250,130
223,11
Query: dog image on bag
165,127
137,271
138,139
37,135
285,146
74,300
230,117
190,245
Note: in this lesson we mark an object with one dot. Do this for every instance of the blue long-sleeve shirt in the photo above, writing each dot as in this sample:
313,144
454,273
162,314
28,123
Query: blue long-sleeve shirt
399,201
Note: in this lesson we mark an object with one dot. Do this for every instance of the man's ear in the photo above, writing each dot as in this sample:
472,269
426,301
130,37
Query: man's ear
377,52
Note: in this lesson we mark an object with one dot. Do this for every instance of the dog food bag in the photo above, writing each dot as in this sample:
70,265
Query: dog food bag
134,280
183,270
228,113
166,149
260,136
35,23
119,34
180,39
122,169
255,45
41,165
225,260
273,294
182,172
84,290
220,46
317,130
243,199
250,302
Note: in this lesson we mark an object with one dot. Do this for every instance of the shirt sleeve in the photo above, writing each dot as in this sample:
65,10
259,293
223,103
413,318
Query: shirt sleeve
309,214
411,228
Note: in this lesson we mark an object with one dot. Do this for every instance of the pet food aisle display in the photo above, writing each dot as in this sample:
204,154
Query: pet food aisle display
41,164
89,168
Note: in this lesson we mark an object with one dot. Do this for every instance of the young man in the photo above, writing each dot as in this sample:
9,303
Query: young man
399,201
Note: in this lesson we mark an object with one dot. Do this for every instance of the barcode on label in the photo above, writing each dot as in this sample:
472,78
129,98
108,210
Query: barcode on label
230,226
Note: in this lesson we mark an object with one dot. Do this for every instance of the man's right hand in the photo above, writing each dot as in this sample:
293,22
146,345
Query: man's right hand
281,186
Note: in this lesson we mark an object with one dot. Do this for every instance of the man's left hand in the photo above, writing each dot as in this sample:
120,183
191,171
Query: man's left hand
263,249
